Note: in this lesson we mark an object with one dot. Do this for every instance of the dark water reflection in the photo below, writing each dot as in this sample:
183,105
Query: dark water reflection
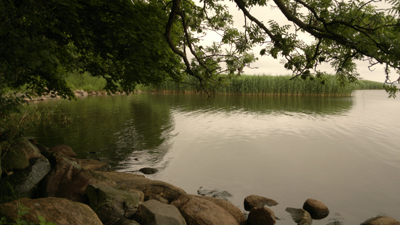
342,151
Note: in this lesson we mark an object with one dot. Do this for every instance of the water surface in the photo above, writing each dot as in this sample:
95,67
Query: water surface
344,152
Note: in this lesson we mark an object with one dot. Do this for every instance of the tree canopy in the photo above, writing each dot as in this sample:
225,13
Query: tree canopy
343,31
145,42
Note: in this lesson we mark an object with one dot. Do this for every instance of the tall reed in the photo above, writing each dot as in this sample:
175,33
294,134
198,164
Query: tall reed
269,85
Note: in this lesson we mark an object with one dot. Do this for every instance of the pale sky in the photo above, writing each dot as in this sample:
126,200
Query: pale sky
270,66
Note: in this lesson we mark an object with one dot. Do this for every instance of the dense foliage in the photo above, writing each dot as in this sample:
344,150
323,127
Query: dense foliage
120,40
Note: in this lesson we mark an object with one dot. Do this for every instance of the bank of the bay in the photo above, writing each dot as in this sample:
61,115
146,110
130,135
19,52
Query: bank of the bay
53,184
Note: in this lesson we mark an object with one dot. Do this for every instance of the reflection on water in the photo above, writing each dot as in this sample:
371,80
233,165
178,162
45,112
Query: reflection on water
342,151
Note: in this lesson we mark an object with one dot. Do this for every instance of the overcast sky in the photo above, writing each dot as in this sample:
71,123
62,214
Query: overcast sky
270,66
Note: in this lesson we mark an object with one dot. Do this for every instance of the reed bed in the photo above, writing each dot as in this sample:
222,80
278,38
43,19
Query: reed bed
272,85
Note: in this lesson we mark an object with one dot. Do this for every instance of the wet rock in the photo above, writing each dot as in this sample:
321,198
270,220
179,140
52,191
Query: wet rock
148,170
227,206
63,150
147,186
92,164
197,211
17,157
381,220
111,204
258,216
252,201
214,193
317,209
73,213
300,216
157,213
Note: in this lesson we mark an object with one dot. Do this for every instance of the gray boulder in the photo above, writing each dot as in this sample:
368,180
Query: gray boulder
25,182
153,212
111,204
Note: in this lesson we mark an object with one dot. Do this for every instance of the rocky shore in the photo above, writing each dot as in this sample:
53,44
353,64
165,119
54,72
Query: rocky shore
53,184
78,94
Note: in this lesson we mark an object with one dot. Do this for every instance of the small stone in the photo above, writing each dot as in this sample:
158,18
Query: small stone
148,170
317,209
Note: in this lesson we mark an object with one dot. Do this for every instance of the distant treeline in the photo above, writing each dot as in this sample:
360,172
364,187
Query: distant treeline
326,85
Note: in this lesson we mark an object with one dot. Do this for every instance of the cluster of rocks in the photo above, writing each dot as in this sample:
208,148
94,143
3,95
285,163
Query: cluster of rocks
53,183
78,93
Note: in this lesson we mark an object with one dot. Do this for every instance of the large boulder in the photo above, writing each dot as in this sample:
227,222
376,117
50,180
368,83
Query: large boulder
69,180
300,216
252,201
258,216
227,205
57,210
111,204
17,157
157,213
147,186
317,209
24,183
198,211
381,220
64,150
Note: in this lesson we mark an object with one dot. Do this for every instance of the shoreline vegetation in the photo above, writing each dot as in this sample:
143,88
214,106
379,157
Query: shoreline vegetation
324,86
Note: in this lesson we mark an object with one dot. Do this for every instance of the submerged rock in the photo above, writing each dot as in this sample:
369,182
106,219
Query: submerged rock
148,170
300,216
215,193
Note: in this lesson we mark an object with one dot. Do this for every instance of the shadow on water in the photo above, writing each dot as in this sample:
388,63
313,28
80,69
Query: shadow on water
132,131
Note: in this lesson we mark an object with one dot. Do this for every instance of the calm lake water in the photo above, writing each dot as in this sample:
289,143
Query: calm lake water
344,152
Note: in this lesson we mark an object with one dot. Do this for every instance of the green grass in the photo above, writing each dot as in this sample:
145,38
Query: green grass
85,82
327,85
